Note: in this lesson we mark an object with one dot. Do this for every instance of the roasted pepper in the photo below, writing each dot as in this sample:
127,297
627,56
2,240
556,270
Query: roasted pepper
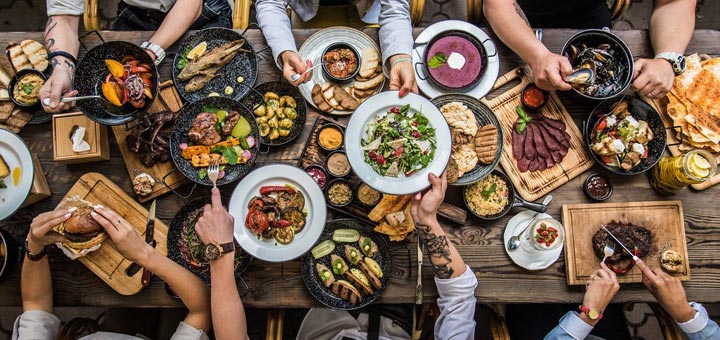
115,67
629,266
108,90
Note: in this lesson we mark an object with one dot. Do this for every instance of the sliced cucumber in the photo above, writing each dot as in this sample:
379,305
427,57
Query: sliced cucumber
346,235
324,248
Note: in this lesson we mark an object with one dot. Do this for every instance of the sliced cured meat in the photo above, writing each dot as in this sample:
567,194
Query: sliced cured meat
558,134
563,151
540,146
530,151
550,140
523,164
518,144
554,123
549,163
555,155
534,165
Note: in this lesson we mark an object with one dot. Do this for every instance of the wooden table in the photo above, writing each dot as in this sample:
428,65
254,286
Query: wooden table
479,242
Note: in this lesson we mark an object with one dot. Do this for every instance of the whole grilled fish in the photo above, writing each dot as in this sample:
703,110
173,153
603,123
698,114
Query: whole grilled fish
203,69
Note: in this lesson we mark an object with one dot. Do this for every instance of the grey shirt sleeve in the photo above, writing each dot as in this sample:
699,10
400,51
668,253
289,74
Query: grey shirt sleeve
36,324
395,29
187,332
275,24
65,7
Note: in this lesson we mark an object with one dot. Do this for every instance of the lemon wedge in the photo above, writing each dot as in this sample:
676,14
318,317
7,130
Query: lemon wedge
197,51
700,161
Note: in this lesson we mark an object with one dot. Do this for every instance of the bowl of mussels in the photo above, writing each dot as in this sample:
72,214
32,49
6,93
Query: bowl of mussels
602,64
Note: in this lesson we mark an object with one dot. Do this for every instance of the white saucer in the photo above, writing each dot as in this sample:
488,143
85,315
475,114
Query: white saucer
493,66
530,261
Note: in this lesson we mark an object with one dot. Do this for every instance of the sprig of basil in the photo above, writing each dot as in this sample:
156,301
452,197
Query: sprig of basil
486,193
439,59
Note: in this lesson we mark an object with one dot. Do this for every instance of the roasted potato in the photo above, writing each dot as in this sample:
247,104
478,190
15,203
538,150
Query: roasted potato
273,103
271,95
273,122
260,110
274,134
290,113
283,132
264,129
286,123
287,101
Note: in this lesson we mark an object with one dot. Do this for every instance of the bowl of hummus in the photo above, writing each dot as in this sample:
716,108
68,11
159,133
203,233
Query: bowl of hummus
25,87
455,60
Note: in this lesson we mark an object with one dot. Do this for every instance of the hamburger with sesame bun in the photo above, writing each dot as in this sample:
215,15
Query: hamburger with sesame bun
81,231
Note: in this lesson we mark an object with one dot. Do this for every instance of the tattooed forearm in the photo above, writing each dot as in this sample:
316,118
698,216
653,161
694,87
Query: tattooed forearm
50,42
438,250
520,13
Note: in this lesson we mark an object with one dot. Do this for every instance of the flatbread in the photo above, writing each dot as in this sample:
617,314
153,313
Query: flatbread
452,171
705,93
466,159
458,116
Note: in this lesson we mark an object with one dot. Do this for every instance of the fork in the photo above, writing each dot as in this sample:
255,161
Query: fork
608,251
213,171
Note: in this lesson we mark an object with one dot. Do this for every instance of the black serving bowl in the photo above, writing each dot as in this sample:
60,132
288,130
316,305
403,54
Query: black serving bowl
327,165
463,35
594,38
14,81
526,104
322,170
255,98
514,200
91,73
590,179
330,126
9,254
640,111
330,184
351,75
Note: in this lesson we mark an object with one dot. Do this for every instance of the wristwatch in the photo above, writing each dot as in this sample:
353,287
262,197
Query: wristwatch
34,257
213,250
158,51
593,314
677,61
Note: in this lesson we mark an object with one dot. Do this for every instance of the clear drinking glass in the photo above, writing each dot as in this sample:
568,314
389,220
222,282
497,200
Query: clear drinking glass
542,230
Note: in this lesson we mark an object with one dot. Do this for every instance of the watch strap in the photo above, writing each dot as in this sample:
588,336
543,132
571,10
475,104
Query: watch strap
587,311
67,55
227,247
34,257
675,59
155,49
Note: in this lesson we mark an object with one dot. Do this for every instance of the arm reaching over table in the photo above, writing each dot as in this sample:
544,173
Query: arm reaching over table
274,22
455,281
396,43
215,226
61,37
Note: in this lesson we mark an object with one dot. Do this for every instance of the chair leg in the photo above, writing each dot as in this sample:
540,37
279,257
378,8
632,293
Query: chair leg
417,9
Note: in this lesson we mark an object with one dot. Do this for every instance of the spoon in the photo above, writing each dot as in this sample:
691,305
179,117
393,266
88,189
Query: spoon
297,76
46,101
514,241
583,76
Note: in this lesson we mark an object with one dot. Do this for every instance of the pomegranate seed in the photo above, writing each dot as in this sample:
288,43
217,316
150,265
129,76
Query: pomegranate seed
372,154
395,109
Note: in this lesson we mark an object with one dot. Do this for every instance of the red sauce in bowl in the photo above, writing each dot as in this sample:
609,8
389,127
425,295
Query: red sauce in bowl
533,97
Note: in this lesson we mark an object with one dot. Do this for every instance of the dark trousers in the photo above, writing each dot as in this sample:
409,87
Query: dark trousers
215,13
534,321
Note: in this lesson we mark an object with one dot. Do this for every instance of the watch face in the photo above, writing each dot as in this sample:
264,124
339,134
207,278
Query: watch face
682,64
212,252
593,314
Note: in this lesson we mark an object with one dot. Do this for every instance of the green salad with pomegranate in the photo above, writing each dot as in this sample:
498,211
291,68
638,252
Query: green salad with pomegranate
398,142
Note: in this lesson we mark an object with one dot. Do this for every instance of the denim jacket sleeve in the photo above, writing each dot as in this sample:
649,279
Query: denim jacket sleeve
700,327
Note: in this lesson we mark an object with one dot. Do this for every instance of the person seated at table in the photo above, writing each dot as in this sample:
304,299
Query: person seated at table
170,19
455,283
668,291
396,38
215,229
671,27
37,320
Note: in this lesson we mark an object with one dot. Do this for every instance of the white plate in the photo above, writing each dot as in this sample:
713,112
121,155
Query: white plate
379,104
529,260
493,65
278,174
16,154
313,48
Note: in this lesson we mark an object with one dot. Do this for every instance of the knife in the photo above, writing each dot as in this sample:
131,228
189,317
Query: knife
149,239
634,257
418,286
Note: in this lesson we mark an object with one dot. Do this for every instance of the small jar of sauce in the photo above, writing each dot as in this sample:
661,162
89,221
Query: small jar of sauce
318,174
533,97
330,137
598,187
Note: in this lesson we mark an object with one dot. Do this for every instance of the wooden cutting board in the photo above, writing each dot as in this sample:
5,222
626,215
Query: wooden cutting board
533,185
105,262
582,221
661,106
168,99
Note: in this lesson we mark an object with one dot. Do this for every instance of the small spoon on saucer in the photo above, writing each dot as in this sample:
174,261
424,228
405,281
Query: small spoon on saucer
514,241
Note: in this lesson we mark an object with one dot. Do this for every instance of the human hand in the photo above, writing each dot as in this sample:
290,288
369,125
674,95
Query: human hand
293,64
216,224
41,232
550,70
600,289
127,241
653,77
58,86
402,75
424,207
668,292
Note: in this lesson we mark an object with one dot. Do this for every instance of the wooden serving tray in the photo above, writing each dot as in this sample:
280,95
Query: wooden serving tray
106,262
582,221
533,185
168,99
661,106
314,155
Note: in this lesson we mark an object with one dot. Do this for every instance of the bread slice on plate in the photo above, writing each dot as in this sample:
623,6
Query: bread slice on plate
346,291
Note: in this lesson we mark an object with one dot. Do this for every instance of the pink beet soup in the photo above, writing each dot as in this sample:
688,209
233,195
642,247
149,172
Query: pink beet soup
447,76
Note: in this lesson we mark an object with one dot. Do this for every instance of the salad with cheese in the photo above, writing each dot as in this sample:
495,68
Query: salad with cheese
620,139
398,142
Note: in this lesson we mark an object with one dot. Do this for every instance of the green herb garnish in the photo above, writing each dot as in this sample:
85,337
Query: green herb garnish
486,193
202,173
439,59
522,120
27,88
228,153
183,59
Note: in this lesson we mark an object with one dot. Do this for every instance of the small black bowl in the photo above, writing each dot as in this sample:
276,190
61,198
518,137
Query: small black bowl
327,166
11,251
526,104
595,177
322,170
328,126
14,81
357,196
330,185
327,72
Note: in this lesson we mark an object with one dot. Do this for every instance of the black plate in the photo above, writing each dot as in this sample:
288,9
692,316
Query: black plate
243,64
182,126
640,111
282,89
484,115
175,232
91,72
324,294
514,200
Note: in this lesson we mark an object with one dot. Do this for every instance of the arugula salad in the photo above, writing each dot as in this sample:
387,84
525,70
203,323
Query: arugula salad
398,142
